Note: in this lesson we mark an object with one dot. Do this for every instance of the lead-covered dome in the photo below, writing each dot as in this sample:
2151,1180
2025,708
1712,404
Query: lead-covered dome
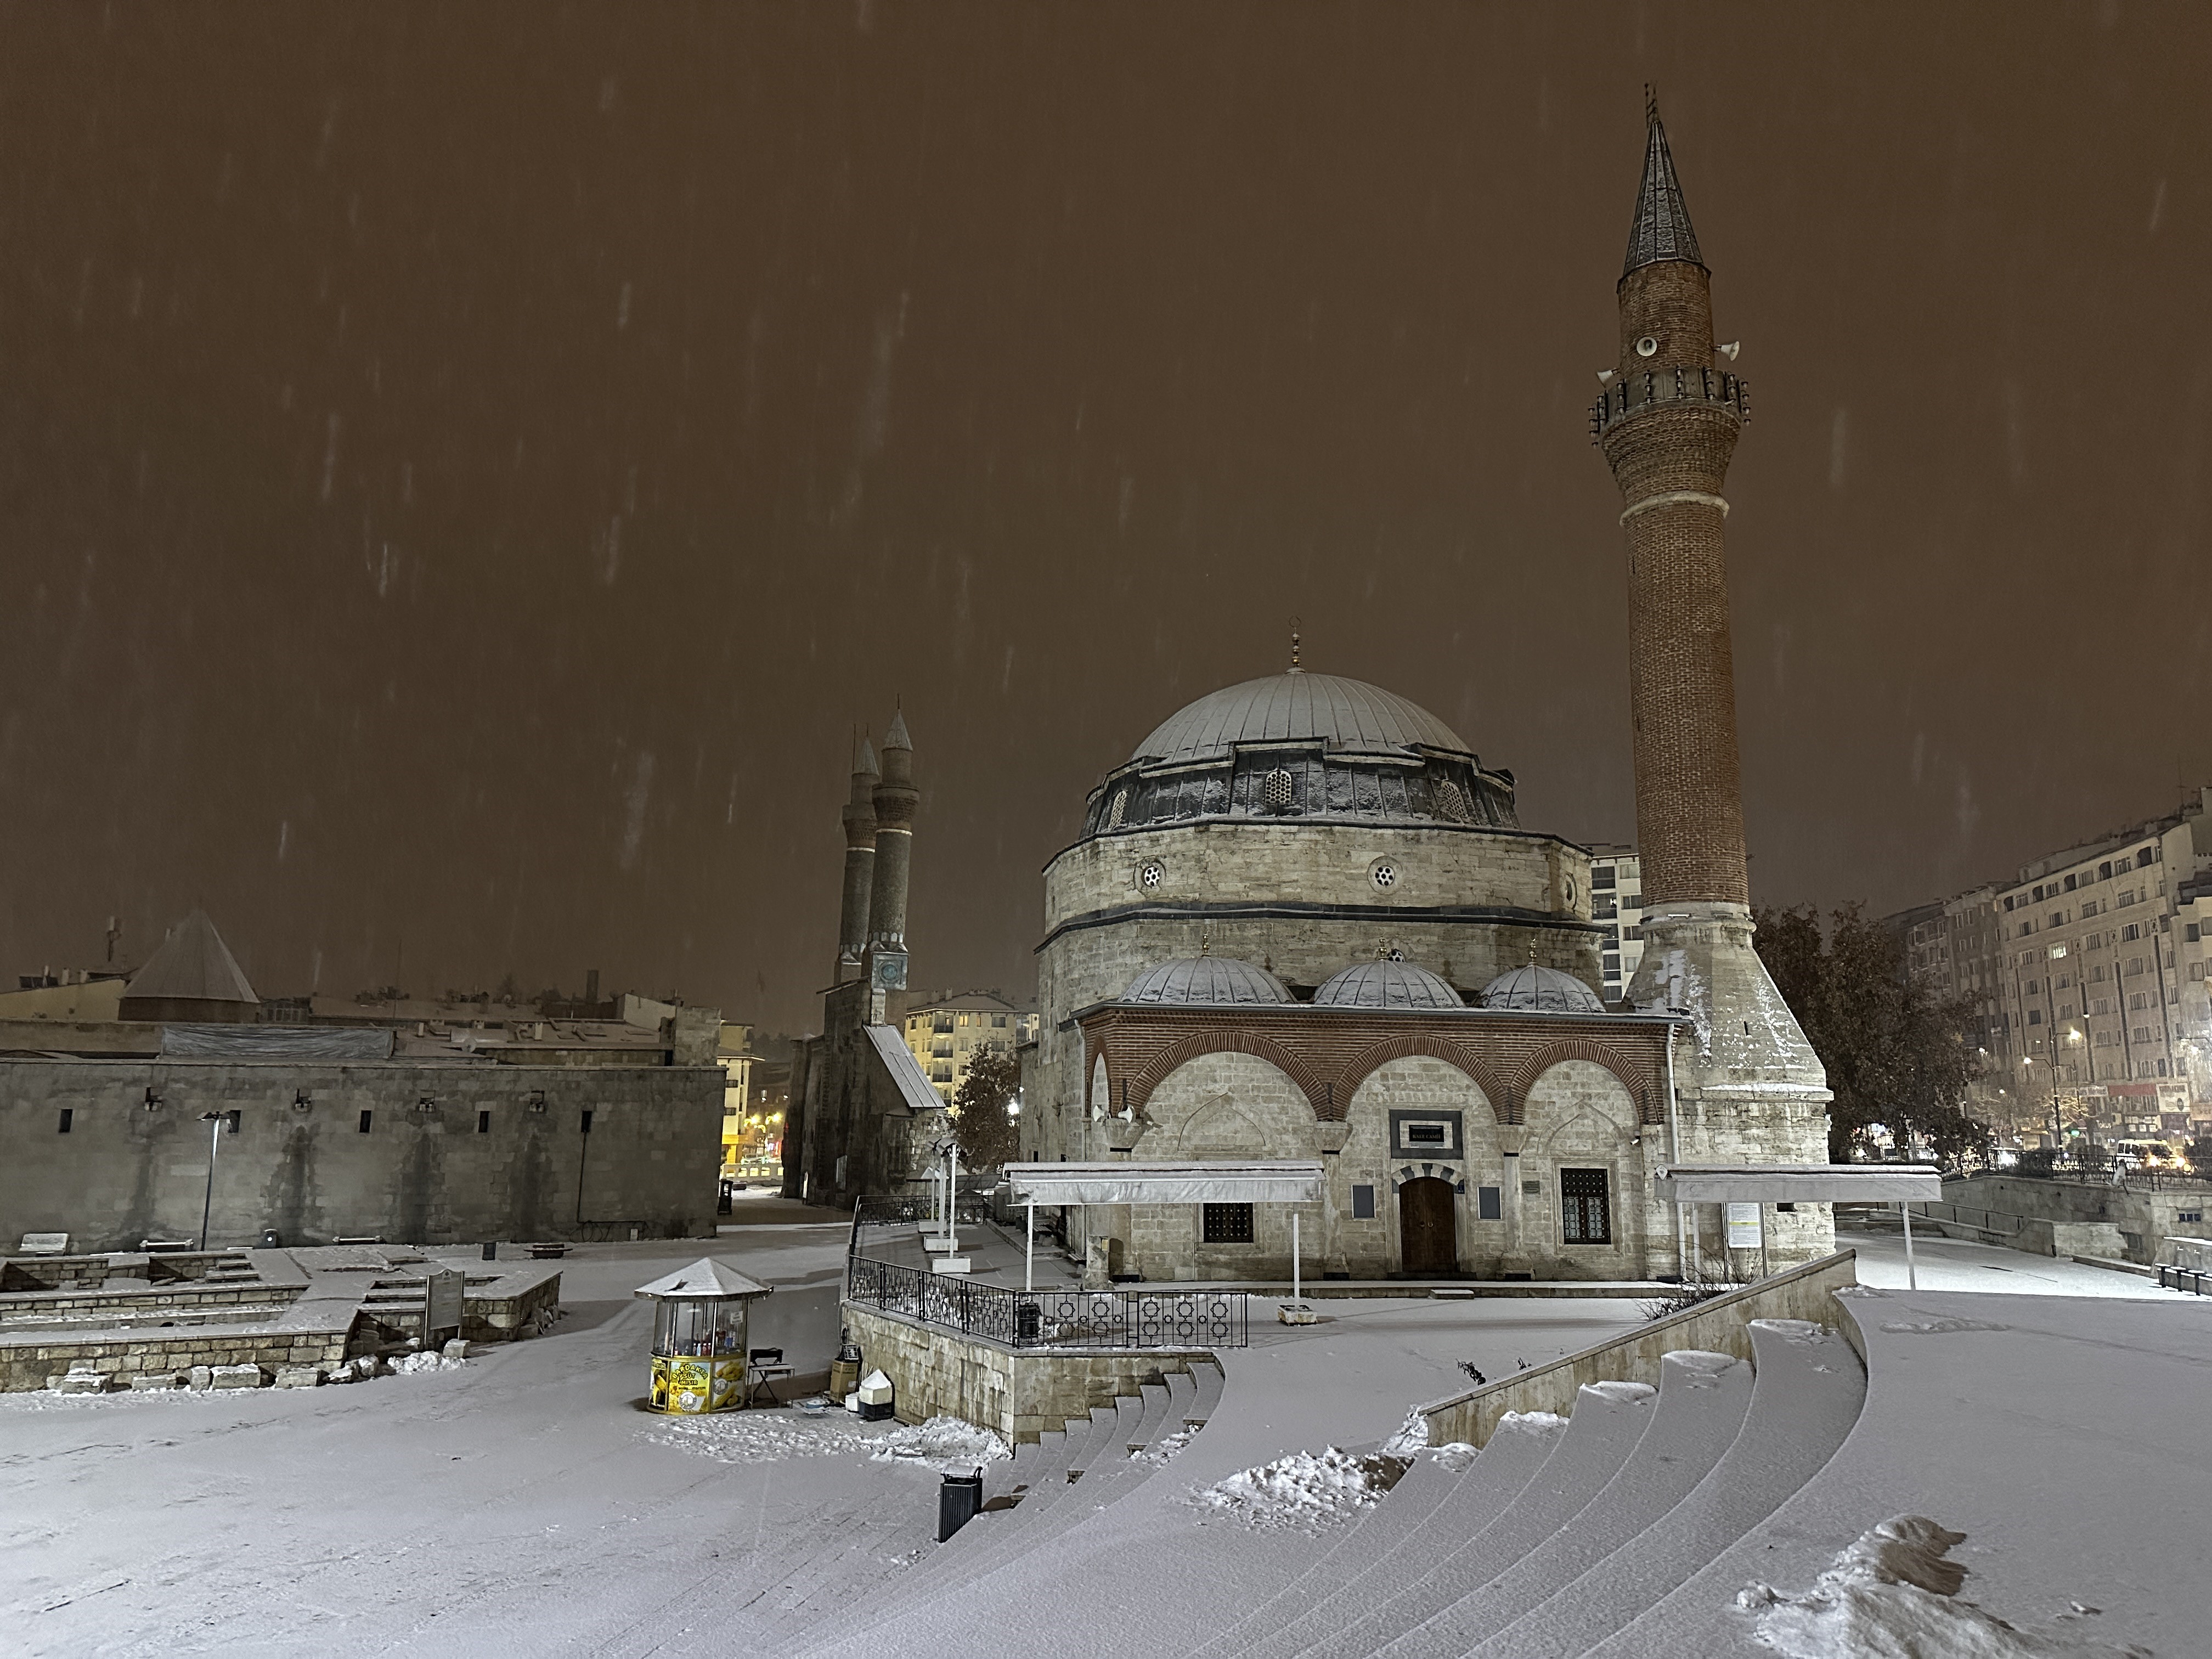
1534,990
1386,985
1206,981
1285,707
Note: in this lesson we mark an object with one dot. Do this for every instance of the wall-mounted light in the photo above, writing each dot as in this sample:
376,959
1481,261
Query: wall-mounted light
537,1100
426,1106
300,1101
154,1101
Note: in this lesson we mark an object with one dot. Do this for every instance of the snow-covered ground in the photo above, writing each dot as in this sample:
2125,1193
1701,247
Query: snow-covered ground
1956,1264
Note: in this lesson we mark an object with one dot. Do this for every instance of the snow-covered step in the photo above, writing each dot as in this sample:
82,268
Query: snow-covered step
1518,1449
1109,1442
1374,1541
1208,1379
1703,1399
1608,1420
1806,1394
1153,1424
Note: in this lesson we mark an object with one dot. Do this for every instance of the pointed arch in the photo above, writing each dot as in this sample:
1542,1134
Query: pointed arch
1640,1081
1504,1103
1224,1040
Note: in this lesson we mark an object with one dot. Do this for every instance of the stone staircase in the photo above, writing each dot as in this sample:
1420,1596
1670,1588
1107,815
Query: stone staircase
1558,1538
880,1565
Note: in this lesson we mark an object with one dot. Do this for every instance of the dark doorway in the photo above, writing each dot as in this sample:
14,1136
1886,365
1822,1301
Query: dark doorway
1428,1238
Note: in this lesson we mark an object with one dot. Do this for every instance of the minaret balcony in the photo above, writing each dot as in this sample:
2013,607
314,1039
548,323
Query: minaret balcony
1637,393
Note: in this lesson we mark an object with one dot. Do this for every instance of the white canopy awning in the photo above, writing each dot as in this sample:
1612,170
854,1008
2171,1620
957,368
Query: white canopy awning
705,1278
1287,1181
1797,1183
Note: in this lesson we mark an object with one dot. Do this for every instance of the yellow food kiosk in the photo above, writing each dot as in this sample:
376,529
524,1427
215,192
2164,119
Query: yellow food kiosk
700,1314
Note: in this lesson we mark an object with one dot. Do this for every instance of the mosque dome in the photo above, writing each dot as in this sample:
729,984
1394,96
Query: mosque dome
1534,990
1386,985
1287,708
1206,981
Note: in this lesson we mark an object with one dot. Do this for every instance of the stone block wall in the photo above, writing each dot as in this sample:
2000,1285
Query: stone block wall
1016,1394
28,1364
123,1174
1720,1326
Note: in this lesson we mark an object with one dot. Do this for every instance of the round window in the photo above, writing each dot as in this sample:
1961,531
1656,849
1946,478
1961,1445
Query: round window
1383,872
1149,874
1647,347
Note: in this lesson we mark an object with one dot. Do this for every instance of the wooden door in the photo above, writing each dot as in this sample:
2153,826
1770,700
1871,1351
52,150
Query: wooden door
1428,1235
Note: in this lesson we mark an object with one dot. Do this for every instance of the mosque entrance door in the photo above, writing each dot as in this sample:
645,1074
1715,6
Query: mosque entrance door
1428,1239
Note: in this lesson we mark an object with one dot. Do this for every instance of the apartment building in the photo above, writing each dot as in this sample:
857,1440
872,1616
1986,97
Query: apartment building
947,1035
1617,905
2085,975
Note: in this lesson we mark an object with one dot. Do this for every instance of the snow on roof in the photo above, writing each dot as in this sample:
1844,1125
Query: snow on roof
705,1277
192,965
1796,1183
914,1085
1276,1180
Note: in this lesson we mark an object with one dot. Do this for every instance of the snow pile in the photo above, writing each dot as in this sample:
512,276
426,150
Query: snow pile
758,1436
1165,1448
1891,1594
1303,1492
429,1359
943,1443
1412,1441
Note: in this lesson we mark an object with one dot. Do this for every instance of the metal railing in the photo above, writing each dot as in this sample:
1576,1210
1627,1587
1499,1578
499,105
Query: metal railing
1052,1319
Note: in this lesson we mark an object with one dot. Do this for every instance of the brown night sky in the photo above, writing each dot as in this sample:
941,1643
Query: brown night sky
465,469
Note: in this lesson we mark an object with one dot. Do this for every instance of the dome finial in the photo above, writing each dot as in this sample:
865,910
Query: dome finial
1295,669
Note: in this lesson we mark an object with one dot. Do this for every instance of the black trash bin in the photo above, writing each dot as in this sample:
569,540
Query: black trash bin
1029,1321
958,1497
269,1239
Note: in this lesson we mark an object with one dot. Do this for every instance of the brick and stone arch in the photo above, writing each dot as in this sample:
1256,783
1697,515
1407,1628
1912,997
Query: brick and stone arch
1223,1104
1412,1081
1634,1076
1225,1040
1489,1088
1581,1115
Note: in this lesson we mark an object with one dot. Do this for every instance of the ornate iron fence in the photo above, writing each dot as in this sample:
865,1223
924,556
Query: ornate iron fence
1053,1319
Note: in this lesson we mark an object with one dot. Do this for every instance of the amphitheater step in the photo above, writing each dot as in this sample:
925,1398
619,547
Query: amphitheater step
1517,1451
1376,1539
1703,1399
1806,1395
1608,1420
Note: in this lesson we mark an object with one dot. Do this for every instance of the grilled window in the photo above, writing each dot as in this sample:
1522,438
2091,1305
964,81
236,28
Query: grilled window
1585,1211
1228,1224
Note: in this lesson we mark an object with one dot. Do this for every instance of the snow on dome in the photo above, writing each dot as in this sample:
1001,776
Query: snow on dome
1352,714
1386,984
1206,979
1532,989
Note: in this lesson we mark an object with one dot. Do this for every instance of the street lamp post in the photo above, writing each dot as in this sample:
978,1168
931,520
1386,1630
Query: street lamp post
214,1121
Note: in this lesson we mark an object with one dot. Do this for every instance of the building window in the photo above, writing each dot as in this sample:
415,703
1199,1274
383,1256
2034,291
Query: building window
69,1116
1363,1204
1585,1212
587,1120
365,1117
1228,1224
483,1122
1488,1203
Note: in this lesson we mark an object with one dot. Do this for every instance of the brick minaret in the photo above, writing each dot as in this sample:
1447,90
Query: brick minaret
1668,423
859,862
1750,1088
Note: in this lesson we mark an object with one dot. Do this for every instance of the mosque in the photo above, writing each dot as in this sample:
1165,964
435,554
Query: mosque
1304,922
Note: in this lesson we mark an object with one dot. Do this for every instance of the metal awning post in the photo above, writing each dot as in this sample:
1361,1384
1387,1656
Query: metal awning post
1028,1251
1296,1282
1911,1272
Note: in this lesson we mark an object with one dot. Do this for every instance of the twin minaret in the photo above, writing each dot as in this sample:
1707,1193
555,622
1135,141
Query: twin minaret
879,844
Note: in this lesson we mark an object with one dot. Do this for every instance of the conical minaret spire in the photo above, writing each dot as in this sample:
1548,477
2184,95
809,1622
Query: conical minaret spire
1662,229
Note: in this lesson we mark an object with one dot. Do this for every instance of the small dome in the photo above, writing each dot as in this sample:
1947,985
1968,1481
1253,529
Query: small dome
1534,990
1206,979
1386,985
